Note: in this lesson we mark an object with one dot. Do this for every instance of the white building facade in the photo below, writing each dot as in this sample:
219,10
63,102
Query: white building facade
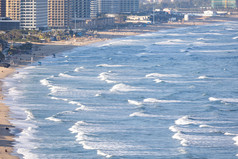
33,14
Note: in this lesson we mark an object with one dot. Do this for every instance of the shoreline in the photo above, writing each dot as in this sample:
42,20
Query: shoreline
42,50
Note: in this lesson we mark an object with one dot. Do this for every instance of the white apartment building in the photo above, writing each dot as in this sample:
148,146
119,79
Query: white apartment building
33,14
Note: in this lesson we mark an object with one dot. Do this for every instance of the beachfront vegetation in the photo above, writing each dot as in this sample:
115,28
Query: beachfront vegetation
34,36
24,48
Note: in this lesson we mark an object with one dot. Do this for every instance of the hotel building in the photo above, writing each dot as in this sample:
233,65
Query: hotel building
33,14
58,13
13,9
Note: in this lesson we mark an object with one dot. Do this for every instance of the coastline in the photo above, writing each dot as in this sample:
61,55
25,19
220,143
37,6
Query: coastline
41,50
6,138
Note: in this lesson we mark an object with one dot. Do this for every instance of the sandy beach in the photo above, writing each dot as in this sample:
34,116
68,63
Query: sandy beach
6,138
41,50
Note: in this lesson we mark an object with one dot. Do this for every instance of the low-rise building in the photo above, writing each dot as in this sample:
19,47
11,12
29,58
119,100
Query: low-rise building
9,24
138,19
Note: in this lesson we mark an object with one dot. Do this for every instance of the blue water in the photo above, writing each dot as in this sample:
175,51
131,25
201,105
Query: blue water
171,94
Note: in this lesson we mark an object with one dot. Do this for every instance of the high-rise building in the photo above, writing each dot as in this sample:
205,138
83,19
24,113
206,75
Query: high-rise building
13,9
2,8
58,13
33,14
117,6
223,3
62,13
108,6
129,6
82,9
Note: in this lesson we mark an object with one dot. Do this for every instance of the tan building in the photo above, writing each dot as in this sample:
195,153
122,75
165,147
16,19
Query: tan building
13,9
58,13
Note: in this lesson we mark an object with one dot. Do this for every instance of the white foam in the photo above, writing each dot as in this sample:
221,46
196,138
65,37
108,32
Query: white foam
26,153
75,103
171,42
107,65
14,92
158,81
212,99
123,88
236,37
140,114
75,128
231,100
23,142
133,102
153,100
29,67
185,121
82,107
158,75
98,95
55,89
104,76
173,129
103,154
63,99
20,75
236,140
202,77
85,146
179,136
229,134
30,116
65,75
53,119
78,69
45,82
205,126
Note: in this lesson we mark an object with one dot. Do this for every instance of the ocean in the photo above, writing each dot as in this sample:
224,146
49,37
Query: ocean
172,94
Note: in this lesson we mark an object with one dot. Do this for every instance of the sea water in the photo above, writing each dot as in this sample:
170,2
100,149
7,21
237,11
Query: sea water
171,94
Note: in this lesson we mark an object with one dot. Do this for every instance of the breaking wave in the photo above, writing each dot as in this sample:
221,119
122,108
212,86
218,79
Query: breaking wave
52,118
156,75
123,88
229,100
186,120
107,65
140,114
105,76
153,100
133,102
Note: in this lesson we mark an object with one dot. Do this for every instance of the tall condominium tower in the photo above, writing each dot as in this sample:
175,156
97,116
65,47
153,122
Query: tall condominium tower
58,13
129,6
13,9
108,6
2,8
33,14
223,3
81,9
